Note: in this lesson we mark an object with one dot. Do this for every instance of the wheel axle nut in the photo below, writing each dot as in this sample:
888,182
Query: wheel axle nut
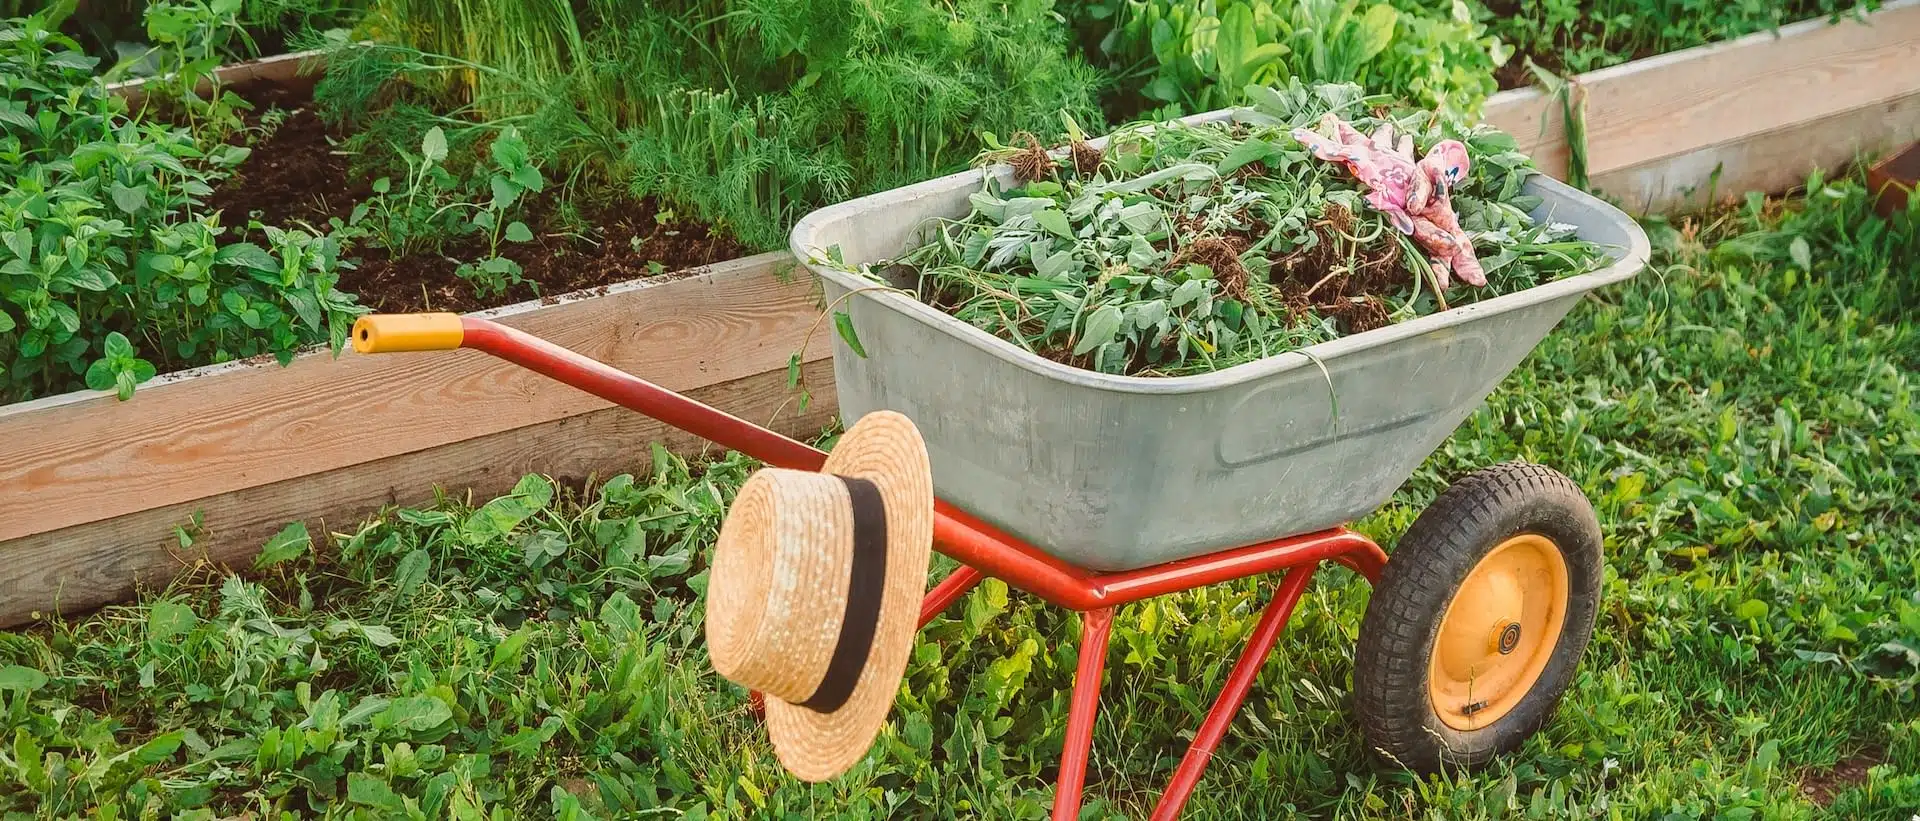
1507,638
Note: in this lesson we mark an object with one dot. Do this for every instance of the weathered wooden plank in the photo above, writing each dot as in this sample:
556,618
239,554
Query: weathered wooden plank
1771,162
81,567
1714,95
85,456
300,69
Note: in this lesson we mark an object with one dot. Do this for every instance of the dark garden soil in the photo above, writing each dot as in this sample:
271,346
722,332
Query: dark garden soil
1822,787
298,174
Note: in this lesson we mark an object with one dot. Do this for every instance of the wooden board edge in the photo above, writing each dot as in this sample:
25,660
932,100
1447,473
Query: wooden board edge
1770,163
516,315
86,566
173,429
1533,118
297,68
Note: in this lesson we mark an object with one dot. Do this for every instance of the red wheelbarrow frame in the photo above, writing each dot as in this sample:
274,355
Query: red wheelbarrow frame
981,550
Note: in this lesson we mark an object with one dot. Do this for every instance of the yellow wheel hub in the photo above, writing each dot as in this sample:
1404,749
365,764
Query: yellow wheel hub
1498,632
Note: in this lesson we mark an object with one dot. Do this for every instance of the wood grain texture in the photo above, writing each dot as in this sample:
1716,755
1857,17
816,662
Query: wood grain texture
1675,104
82,567
1773,162
85,456
298,70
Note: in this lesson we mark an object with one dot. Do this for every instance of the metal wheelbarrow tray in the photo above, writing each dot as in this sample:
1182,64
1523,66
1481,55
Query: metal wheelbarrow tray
1121,472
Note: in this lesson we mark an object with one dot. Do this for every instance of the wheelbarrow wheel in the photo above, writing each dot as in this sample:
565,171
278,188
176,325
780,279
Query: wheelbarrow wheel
1478,623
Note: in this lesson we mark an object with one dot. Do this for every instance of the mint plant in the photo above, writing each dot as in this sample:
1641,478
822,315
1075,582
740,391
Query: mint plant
191,38
433,206
513,176
111,267
119,370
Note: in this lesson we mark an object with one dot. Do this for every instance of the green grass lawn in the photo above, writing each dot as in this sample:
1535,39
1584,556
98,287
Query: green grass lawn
1742,417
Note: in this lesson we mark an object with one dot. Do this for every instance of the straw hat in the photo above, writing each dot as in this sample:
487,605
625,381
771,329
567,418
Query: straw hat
815,591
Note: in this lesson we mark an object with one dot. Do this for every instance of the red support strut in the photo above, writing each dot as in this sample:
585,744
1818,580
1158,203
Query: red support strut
1095,627
948,591
1227,705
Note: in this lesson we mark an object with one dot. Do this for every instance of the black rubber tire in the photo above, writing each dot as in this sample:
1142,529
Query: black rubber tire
1402,624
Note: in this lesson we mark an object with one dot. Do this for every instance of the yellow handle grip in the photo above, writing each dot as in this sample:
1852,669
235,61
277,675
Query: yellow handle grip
388,333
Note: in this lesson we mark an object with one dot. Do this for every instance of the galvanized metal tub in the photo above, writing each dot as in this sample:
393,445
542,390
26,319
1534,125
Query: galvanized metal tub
1119,472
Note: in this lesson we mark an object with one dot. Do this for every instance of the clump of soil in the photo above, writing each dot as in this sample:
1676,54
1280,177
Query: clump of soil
1086,158
1822,787
1032,163
299,175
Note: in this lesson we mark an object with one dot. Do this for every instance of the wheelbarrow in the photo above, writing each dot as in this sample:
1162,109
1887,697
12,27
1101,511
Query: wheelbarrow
1092,491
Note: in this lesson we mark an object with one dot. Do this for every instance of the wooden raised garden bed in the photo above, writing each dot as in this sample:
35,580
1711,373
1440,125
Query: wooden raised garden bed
95,487
92,490
1683,130
204,464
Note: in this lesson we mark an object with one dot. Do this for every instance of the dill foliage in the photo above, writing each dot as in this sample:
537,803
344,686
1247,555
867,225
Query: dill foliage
745,113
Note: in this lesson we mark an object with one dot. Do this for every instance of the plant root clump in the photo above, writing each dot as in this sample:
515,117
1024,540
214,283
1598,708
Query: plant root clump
1223,258
1358,314
1032,164
1086,159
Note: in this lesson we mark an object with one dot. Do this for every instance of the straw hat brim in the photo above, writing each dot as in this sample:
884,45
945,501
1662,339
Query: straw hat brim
883,448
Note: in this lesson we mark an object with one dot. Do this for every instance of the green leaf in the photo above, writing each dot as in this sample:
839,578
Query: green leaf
129,198
378,635
88,279
291,542
167,619
123,385
6,322
517,232
307,306
1801,253
1188,292
159,749
1751,609
1055,220
100,375
416,714
528,177
433,147
844,324
117,346
1100,329
1234,42
1254,149
621,617
504,191
66,316
409,573
1377,31
369,791
247,255
19,679
20,242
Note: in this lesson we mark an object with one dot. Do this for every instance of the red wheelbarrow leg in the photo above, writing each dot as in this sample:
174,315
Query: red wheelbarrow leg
1095,627
948,591
1265,634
